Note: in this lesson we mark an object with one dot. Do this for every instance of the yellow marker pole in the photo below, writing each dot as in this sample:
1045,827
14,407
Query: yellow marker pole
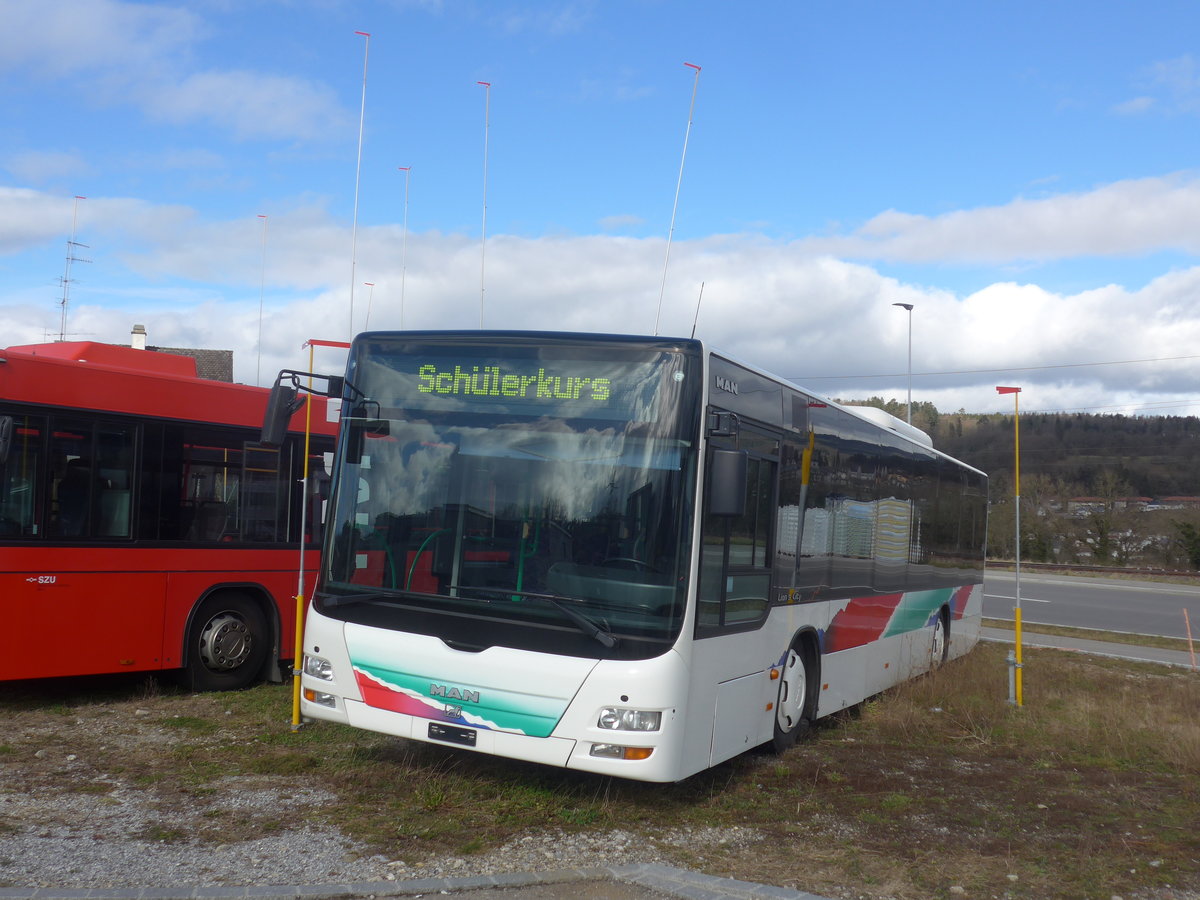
1015,391
298,645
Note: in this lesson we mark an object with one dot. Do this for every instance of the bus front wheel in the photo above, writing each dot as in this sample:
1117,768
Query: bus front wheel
793,708
227,644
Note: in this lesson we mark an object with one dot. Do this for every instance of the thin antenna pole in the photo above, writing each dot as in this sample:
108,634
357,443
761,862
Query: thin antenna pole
370,297
697,317
407,170
71,245
262,287
357,176
662,289
487,110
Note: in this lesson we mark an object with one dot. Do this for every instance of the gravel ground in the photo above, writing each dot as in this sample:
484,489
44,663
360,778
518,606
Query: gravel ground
124,838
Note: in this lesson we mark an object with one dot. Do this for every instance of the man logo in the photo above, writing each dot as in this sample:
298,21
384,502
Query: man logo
728,385
453,693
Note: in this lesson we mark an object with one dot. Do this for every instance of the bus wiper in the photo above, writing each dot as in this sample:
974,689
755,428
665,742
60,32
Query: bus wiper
332,600
586,625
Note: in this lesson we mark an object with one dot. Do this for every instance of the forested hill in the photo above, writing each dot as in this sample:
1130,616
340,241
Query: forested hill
1078,453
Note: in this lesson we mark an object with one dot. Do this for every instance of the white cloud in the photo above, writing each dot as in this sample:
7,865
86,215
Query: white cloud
41,167
1135,106
1170,87
58,38
126,53
618,222
776,304
250,105
29,218
1123,218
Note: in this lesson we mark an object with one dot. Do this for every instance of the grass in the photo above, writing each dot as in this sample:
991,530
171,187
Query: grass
1096,634
1091,789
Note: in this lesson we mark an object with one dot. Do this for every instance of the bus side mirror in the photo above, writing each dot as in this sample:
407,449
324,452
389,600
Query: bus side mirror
358,426
727,482
283,402
6,437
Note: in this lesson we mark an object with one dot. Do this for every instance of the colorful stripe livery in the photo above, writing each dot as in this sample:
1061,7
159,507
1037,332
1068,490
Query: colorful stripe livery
867,619
485,707
498,689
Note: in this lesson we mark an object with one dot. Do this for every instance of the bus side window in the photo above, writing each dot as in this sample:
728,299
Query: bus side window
20,477
735,551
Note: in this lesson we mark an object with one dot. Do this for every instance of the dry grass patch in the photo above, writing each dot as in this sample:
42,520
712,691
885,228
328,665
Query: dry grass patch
1091,789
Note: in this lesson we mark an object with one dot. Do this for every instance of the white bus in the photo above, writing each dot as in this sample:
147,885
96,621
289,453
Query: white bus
626,555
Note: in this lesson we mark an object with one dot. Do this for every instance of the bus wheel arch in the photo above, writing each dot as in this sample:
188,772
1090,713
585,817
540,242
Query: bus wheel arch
799,679
228,640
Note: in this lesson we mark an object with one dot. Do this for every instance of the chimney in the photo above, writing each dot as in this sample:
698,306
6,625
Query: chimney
138,337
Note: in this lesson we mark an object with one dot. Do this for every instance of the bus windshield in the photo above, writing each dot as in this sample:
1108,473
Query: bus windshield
518,492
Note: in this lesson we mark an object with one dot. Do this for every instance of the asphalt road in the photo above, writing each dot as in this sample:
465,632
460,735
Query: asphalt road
1110,604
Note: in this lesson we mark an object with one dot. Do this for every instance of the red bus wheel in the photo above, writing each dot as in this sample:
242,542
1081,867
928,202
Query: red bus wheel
227,644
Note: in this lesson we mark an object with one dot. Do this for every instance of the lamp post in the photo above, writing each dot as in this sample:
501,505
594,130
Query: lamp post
1016,697
909,307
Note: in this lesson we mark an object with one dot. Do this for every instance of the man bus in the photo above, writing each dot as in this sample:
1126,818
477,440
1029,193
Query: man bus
627,555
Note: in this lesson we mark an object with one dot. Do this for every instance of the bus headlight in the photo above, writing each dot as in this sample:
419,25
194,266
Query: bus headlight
318,668
617,751
320,699
616,718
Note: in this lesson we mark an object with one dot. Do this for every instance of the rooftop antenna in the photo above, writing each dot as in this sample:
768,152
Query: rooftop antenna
407,170
697,316
262,287
487,107
357,176
72,244
678,184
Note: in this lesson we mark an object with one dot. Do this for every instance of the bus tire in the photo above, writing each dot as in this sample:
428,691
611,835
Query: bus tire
794,706
939,648
227,643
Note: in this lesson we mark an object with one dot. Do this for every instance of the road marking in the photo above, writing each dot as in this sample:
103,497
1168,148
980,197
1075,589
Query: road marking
1023,599
1097,582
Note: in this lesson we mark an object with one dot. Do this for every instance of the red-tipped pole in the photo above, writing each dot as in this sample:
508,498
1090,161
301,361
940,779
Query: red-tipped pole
357,177
487,104
262,287
407,170
675,206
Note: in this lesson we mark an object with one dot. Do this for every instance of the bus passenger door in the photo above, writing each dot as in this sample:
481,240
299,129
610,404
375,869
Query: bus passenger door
733,598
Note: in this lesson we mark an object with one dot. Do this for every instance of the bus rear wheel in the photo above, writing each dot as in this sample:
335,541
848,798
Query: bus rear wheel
227,644
793,712
940,647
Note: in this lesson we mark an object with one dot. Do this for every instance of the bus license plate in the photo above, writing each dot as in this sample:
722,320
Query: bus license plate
450,734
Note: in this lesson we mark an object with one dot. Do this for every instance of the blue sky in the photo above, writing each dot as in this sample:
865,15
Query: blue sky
1023,173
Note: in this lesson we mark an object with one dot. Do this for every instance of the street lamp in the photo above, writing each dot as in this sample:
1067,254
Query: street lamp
909,307
1016,661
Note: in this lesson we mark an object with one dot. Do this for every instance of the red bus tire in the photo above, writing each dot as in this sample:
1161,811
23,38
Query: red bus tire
227,643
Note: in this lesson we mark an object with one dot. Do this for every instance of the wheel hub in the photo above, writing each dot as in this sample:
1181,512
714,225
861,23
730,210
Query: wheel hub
792,690
225,643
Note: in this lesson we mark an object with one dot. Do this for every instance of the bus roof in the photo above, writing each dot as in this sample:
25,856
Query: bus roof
112,378
111,356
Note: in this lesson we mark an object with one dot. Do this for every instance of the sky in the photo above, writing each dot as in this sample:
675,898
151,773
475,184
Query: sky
772,177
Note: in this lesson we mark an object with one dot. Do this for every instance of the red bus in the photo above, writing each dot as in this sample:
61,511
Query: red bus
143,525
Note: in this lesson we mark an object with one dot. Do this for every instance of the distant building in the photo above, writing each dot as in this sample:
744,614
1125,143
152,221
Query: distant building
1178,503
1086,506
215,365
